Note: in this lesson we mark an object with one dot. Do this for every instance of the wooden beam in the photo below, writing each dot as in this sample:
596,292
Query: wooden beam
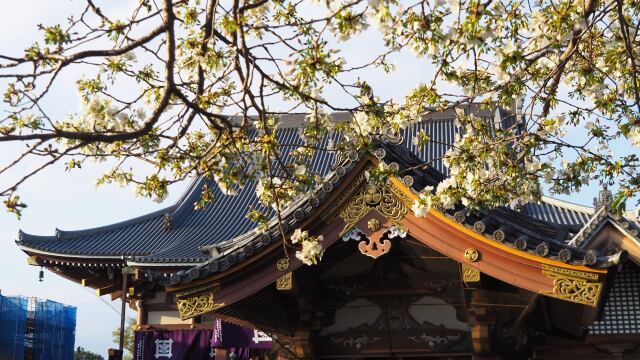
107,290
116,295
33,260
92,281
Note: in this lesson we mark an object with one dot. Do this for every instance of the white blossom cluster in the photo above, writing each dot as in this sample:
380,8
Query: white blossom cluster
311,247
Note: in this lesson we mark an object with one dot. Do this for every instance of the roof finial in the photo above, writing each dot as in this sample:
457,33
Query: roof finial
605,198
168,221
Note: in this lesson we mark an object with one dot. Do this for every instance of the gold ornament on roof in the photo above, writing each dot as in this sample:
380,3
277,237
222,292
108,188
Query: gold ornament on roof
472,255
197,301
573,285
373,224
283,264
470,274
378,197
285,282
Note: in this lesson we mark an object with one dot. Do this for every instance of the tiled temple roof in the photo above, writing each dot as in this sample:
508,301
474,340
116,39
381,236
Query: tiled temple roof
558,211
175,235
149,238
507,226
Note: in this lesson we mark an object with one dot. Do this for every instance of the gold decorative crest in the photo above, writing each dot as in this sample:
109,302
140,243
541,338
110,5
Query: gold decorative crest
573,285
373,224
371,197
197,301
283,264
470,274
472,255
285,282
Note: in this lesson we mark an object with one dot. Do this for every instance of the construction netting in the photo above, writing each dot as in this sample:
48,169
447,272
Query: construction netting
36,329
13,324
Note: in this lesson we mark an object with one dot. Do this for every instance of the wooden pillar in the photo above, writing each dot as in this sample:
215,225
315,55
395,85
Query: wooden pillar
296,347
479,322
125,276
301,345
222,354
141,313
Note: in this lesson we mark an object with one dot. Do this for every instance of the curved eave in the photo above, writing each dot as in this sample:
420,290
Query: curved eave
38,243
142,264
436,219
33,251
436,230
519,268
435,122
72,234
225,258
464,231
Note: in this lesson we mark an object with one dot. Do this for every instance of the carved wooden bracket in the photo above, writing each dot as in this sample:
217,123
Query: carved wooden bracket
385,204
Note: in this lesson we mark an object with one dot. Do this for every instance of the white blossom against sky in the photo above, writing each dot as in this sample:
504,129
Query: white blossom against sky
70,201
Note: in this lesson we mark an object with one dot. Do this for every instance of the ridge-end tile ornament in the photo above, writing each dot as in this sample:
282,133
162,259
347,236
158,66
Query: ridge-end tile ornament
573,285
197,301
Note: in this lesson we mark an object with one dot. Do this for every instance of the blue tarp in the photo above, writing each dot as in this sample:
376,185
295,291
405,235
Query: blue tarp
39,329
13,318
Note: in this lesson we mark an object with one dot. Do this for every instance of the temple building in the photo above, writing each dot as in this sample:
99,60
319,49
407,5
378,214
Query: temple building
545,281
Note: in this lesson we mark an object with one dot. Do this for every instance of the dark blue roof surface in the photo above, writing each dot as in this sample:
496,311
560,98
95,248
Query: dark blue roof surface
146,237
558,213
147,240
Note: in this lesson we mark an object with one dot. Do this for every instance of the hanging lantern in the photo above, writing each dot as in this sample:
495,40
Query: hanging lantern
41,275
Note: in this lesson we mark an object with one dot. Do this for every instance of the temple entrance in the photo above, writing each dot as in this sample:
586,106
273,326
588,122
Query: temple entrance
406,303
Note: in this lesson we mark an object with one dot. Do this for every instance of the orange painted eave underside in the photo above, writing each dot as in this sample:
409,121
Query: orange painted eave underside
498,260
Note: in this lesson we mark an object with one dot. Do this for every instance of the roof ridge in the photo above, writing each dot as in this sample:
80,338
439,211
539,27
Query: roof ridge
179,205
583,237
295,120
567,205
589,210
71,234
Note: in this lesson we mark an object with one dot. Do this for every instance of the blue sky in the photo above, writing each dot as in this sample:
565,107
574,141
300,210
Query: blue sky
70,201
57,198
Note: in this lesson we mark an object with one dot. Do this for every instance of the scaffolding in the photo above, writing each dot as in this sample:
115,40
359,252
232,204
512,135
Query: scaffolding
34,329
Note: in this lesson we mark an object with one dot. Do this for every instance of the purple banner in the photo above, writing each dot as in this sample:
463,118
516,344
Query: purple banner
173,344
198,344
226,335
